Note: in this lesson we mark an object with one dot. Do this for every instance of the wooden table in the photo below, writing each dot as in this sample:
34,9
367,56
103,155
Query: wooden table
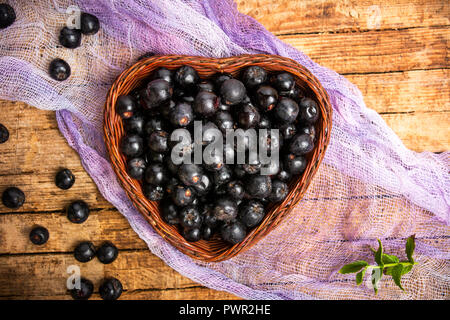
396,53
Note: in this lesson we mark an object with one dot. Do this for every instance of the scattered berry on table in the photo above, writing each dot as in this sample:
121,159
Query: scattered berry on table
78,211
110,289
107,253
89,24
59,69
39,235
64,179
4,134
84,292
70,38
13,198
84,251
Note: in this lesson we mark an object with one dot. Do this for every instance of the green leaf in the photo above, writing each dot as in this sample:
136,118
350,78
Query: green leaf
397,275
407,269
379,254
410,246
360,276
387,258
353,267
388,271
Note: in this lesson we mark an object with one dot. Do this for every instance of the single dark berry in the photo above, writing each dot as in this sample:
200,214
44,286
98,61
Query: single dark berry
181,115
164,74
264,122
186,77
272,168
266,97
280,191
169,212
13,198
64,179
134,125
254,76
157,93
89,24
206,103
209,132
84,292
239,171
78,211
158,141
301,144
107,253
136,168
251,213
288,130
214,162
70,38
232,92
224,121
59,69
258,186
309,130
283,175
283,82
126,106
182,195
220,78
192,235
294,164
4,134
309,111
207,232
295,93
234,232
154,157
206,85
204,185
190,174
84,251
153,192
155,124
7,15
252,168
190,217
166,109
248,116
132,145
223,175
156,174
209,219
236,190
110,289
286,110
39,235
225,209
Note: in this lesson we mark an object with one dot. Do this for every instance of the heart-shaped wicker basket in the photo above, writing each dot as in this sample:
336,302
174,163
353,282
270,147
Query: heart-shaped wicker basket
215,249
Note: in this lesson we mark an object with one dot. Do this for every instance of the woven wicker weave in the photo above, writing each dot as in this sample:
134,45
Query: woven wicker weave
215,249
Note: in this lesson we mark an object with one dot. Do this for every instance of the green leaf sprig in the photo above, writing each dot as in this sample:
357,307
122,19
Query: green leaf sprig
386,264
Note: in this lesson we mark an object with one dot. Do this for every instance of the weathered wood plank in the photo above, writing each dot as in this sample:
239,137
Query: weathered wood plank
282,17
102,225
405,91
142,274
376,51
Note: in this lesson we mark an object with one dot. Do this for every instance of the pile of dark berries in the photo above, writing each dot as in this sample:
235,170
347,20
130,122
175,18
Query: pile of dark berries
215,199
71,38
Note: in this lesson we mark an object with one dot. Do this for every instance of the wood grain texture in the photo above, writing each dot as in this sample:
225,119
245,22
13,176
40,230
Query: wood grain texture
396,52
312,16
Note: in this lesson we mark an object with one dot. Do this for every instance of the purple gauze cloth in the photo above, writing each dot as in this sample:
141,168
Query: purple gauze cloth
369,185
